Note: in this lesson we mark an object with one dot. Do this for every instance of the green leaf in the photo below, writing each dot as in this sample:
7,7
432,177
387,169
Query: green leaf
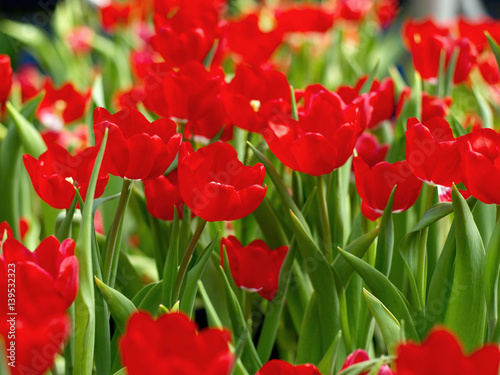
491,275
280,186
321,275
327,364
494,47
385,244
310,348
381,287
120,306
194,275
466,312
358,248
30,137
84,303
388,324
171,263
371,77
251,359
152,300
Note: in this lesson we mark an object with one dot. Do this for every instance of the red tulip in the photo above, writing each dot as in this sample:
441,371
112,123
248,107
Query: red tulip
254,267
136,149
172,344
80,39
426,40
475,31
252,44
30,80
188,35
358,356
369,148
442,354
190,93
162,195
381,99
5,77
354,10
114,14
321,140
277,366
375,184
480,151
56,173
304,18
129,98
216,186
432,106
255,94
387,10
46,283
489,69
5,231
61,106
432,152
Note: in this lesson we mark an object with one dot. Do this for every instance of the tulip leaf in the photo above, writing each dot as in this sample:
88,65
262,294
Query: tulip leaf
385,241
321,275
139,297
269,331
388,324
466,313
120,306
152,300
484,108
327,364
280,186
369,81
84,303
270,225
250,358
381,287
64,229
30,137
494,47
310,348
171,263
191,282
491,276
358,247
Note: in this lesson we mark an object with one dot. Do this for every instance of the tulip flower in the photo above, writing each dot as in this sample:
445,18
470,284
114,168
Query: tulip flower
251,42
46,283
304,18
475,31
359,356
5,77
369,148
56,173
432,106
61,106
488,67
480,151
254,267
216,186
426,41
137,149
162,195
254,95
30,80
432,152
381,99
375,184
442,354
172,344
277,366
190,94
5,231
321,140
114,14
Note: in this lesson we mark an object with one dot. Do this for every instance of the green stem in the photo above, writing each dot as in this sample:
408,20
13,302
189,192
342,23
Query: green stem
325,220
187,258
111,254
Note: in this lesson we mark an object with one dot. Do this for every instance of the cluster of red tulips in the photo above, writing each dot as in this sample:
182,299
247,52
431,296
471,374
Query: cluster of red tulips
314,184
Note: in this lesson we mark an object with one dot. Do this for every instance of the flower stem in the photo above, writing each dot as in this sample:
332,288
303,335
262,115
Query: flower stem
325,220
111,253
187,258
